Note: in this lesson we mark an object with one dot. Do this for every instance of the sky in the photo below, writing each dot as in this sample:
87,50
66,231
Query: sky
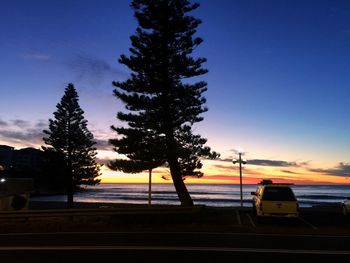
278,81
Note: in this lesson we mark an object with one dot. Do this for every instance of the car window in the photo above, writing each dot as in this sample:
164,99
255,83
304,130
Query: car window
278,194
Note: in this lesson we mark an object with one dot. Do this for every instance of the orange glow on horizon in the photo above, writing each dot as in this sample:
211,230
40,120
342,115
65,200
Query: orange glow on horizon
224,172
219,172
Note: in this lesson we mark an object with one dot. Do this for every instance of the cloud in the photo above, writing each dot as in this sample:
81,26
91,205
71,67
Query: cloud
27,135
279,163
21,132
3,123
94,71
225,167
289,172
342,169
37,56
221,177
42,125
102,145
266,162
226,160
20,123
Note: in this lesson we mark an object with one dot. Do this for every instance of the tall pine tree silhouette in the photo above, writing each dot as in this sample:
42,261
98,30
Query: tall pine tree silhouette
157,98
70,138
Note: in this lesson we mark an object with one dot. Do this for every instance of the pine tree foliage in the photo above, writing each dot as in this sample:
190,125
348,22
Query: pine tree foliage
143,148
161,106
70,138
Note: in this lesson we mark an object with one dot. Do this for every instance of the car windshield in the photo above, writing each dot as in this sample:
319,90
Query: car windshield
278,194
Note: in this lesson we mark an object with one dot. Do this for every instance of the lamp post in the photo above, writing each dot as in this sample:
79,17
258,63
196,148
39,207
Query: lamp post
162,135
240,161
149,187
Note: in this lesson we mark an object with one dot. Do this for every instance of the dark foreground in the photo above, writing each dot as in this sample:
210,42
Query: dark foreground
157,247
160,233
165,246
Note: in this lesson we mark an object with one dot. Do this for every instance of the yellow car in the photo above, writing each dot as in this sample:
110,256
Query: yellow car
275,200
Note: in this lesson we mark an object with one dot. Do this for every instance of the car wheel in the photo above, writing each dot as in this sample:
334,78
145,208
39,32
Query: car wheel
344,210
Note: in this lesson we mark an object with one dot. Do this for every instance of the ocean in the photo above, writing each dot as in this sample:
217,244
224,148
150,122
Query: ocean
218,195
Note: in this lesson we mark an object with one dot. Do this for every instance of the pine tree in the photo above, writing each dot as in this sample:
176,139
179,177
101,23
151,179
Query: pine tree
156,95
70,138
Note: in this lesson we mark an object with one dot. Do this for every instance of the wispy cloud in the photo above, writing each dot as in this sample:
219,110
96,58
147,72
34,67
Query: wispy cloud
267,162
278,163
37,56
27,135
103,145
342,169
41,124
3,123
225,167
22,132
289,172
94,71
20,123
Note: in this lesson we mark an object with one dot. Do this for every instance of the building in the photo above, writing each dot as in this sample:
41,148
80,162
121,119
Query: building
19,168
31,163
27,162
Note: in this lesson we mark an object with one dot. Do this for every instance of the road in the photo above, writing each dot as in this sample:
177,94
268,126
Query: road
162,246
217,234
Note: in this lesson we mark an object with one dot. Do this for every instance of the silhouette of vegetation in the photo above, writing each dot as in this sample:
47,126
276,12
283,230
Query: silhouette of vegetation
71,141
162,107
144,149
51,178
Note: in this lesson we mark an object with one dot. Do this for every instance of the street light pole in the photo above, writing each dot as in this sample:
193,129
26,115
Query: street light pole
240,176
150,187
240,161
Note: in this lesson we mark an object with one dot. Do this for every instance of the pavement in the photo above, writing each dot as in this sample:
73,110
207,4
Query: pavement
165,246
162,233
314,221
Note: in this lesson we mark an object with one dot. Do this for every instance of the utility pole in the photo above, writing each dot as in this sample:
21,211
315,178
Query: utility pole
240,161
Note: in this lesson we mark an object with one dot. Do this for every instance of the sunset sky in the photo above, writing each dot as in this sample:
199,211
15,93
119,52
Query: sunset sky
278,81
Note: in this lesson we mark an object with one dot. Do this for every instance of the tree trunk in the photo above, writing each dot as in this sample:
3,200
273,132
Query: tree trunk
179,184
70,190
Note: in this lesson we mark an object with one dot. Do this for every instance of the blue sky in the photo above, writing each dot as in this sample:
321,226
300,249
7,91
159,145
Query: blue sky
278,72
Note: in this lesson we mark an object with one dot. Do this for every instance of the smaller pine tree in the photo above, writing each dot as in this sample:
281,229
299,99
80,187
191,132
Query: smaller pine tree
70,138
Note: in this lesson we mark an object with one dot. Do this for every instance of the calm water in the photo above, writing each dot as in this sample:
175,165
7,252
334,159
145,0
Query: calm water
207,194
